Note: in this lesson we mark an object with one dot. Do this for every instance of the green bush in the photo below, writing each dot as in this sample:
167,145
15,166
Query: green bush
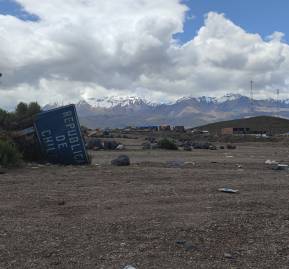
167,144
9,154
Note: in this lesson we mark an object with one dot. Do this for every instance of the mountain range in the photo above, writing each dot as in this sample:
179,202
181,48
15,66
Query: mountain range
115,112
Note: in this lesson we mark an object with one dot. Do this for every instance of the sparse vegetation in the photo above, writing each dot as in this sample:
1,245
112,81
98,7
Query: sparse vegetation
166,143
22,117
9,154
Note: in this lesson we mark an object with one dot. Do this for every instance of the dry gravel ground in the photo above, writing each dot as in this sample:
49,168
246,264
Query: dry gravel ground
108,217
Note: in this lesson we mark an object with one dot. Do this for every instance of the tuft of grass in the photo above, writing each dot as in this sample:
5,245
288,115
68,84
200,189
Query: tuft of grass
9,155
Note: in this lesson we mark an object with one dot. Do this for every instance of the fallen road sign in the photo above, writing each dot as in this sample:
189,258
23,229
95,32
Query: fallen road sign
59,135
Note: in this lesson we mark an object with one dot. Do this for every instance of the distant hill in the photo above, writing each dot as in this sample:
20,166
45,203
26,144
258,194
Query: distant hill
271,125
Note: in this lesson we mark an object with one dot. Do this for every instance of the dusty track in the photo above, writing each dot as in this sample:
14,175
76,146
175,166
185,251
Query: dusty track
108,217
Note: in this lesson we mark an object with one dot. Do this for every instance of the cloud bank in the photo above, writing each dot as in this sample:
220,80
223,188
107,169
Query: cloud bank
87,48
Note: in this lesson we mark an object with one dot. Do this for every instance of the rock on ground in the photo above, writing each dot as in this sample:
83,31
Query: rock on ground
122,160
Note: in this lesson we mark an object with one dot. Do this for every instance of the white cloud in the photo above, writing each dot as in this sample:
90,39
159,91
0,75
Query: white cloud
88,48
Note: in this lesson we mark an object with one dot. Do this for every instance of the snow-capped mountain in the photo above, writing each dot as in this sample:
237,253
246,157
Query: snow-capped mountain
188,111
113,101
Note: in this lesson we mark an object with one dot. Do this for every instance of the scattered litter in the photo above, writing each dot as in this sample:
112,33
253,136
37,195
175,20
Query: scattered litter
180,242
229,156
271,162
129,267
175,163
280,167
189,163
34,167
228,256
212,147
227,190
97,164
188,245
239,166
120,147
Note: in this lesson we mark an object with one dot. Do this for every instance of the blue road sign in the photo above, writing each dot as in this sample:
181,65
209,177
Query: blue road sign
59,134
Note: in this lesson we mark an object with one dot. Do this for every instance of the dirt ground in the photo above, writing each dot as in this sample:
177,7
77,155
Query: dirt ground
163,211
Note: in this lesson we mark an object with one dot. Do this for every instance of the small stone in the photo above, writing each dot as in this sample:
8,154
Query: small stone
61,203
122,160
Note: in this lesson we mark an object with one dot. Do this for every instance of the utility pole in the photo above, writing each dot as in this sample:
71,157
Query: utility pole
277,102
252,96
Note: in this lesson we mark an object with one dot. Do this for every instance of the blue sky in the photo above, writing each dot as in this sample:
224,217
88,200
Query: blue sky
255,16
10,7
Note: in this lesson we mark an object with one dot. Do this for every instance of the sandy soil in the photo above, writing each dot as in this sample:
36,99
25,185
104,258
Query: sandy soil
150,214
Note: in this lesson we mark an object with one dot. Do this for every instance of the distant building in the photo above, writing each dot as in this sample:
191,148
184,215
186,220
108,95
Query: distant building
242,131
165,128
234,131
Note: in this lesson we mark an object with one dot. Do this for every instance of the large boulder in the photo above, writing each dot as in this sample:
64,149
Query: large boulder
94,143
231,146
110,145
121,160
187,147
201,145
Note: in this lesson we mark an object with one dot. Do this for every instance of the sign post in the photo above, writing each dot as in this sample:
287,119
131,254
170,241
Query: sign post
60,138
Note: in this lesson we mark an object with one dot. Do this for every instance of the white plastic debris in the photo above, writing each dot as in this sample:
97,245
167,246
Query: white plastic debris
189,163
271,162
129,267
227,190
280,167
120,147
